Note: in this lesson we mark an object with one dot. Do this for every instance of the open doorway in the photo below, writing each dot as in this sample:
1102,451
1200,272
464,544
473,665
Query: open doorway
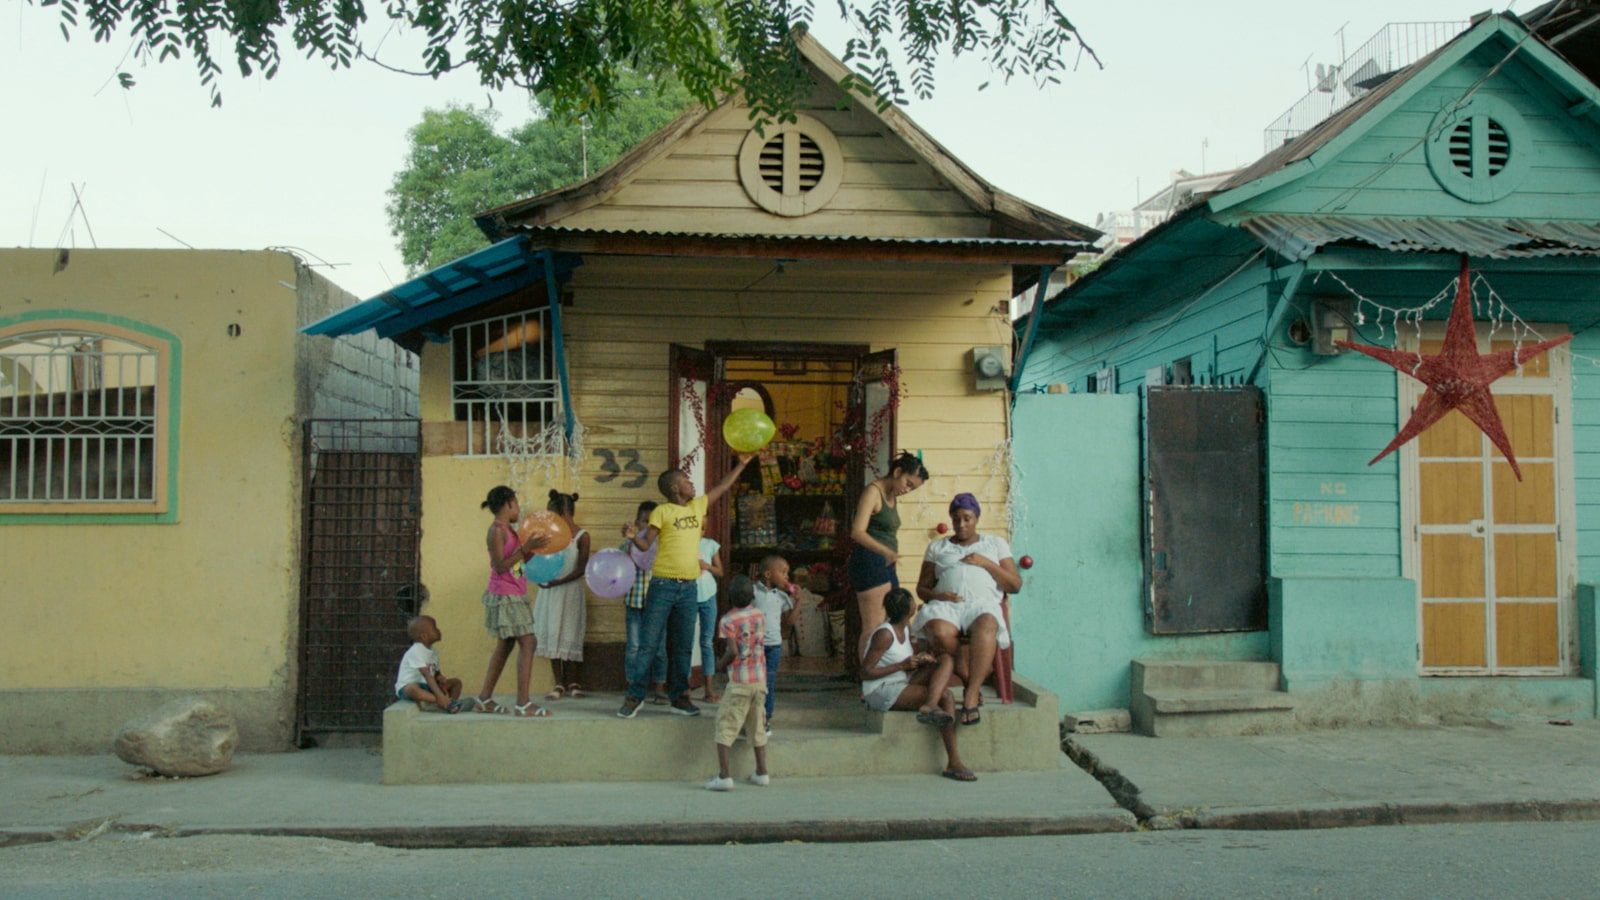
836,432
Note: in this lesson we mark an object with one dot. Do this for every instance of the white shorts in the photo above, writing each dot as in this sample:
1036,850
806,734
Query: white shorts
882,697
962,615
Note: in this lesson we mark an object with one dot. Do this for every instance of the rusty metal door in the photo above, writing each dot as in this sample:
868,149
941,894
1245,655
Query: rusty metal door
360,537
1203,480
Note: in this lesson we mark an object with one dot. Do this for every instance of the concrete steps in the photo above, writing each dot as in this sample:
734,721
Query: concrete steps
1194,698
816,732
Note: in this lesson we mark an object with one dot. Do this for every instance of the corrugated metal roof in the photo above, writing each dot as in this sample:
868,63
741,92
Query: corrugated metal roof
1298,237
983,242
474,279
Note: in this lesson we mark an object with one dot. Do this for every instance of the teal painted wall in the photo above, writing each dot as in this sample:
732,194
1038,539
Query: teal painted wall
1369,634
1385,171
1220,332
1330,514
1586,437
1080,616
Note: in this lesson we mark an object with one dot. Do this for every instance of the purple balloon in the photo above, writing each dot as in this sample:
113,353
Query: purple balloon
644,559
610,573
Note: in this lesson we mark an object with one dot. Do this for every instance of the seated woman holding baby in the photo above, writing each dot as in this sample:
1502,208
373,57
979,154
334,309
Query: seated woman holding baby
964,577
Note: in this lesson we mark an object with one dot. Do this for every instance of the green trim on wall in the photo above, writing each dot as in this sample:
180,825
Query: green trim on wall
175,402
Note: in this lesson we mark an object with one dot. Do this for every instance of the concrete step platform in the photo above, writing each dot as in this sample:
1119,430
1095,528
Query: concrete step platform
1191,698
1178,702
815,734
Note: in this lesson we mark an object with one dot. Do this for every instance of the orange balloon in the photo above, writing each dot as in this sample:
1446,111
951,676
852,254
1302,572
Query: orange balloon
548,524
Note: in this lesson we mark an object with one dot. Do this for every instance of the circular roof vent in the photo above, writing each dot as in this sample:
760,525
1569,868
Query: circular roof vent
793,169
1479,152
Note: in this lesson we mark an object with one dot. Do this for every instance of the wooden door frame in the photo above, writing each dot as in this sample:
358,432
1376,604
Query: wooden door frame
1408,392
717,454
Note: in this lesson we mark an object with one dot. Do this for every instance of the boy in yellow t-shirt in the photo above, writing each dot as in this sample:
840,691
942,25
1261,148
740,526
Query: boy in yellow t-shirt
673,602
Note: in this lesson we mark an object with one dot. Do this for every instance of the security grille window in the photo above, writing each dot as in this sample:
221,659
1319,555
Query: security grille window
79,420
792,168
503,380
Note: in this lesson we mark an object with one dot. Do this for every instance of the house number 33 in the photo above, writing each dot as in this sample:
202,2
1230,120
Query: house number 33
609,470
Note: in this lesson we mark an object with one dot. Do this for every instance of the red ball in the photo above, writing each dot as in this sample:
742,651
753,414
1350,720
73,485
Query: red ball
941,528
1026,562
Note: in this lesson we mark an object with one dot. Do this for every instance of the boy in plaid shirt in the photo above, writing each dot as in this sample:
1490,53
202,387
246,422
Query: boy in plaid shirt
743,703
633,611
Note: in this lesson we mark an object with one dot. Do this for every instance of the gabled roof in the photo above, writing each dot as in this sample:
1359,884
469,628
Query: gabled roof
1012,217
1182,238
1332,135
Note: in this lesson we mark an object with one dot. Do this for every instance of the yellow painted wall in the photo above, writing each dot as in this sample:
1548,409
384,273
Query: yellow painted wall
209,602
627,311
886,189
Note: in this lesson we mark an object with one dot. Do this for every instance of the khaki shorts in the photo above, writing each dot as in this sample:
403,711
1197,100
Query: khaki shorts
743,706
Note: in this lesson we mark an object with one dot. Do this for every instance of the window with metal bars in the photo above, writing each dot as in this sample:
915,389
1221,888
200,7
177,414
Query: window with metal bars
504,381
80,421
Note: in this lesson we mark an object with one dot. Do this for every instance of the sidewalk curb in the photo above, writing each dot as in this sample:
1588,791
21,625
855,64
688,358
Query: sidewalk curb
1418,812
463,836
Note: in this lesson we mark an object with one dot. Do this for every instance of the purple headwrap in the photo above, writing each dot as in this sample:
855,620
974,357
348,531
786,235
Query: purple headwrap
966,501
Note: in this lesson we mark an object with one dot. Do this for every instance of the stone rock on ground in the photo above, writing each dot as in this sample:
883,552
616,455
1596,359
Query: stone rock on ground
188,737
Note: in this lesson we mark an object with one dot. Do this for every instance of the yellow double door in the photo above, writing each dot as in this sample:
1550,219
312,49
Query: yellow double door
1490,553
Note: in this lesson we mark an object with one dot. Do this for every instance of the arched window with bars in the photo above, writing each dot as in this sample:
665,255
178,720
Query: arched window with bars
84,415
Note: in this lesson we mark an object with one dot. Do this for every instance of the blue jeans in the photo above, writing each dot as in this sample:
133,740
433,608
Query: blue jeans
708,633
774,656
634,648
670,608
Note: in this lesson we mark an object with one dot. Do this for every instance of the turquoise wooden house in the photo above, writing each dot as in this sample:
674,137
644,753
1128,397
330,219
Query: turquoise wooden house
1193,447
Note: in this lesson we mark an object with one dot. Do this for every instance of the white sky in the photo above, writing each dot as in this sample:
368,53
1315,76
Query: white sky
304,160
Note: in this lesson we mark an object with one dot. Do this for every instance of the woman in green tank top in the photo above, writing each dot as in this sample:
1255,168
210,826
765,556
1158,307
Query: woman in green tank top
875,533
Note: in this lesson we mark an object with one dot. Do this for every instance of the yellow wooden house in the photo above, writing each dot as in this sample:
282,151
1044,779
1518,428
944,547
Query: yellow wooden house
843,270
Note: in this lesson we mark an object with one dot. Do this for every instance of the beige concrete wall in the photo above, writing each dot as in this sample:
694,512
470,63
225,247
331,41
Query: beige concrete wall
627,312
97,608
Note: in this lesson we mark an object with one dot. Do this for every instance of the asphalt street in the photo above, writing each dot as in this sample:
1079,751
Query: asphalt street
1457,861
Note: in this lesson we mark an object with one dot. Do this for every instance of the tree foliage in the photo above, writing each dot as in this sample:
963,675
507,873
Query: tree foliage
575,52
458,164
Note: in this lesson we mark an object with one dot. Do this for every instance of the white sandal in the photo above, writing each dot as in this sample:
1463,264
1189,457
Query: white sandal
521,711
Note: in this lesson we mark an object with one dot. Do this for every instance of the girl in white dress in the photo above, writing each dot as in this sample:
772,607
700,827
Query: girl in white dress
893,677
560,612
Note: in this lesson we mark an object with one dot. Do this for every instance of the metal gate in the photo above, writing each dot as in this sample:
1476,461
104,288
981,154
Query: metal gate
359,583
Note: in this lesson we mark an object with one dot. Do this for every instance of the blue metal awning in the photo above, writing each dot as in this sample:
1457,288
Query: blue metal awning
455,287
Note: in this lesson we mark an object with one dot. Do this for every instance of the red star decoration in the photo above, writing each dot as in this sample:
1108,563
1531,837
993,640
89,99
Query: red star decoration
1458,377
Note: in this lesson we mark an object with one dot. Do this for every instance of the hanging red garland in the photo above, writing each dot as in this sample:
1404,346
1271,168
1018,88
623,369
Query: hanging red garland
1458,377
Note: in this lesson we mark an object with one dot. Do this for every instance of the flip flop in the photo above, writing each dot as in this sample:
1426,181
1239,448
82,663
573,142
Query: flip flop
487,706
959,775
970,715
936,717
455,706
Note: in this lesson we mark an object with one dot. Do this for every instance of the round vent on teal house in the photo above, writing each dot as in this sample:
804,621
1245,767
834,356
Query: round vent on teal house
1479,151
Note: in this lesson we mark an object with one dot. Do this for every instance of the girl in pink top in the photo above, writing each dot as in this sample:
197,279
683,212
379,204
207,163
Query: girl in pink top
506,611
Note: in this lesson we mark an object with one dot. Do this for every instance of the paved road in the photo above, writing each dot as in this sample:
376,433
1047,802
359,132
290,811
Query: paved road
1523,860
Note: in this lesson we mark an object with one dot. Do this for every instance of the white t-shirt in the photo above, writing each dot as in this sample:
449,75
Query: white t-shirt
773,604
972,583
418,659
707,582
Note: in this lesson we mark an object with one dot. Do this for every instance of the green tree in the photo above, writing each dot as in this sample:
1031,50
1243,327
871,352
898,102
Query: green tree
458,164
575,51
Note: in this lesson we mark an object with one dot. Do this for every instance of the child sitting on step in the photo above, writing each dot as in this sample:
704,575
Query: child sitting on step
744,631
419,677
